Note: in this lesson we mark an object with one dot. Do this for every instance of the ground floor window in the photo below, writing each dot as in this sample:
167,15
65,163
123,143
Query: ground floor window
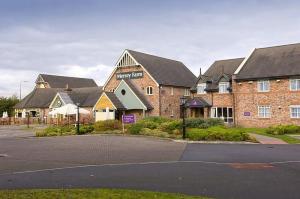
264,111
295,111
225,113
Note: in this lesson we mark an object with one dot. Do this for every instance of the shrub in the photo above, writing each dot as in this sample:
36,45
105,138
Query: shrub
135,128
107,125
55,131
203,123
154,132
218,133
85,129
171,126
283,129
157,119
194,122
215,122
148,124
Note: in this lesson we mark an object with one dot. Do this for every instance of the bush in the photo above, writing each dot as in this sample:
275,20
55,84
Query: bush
154,132
171,126
203,123
283,129
55,131
148,124
157,119
107,125
85,129
135,129
218,133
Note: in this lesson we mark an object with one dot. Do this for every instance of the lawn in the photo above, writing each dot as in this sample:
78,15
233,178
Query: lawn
261,131
89,194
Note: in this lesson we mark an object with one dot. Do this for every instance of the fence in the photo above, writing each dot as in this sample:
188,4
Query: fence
50,121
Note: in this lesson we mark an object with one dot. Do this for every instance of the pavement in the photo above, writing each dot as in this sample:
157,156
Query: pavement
267,140
215,170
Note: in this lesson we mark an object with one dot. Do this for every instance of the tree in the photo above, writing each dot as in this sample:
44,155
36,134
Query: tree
7,105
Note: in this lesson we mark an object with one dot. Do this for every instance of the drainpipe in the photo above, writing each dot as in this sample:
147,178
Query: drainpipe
159,100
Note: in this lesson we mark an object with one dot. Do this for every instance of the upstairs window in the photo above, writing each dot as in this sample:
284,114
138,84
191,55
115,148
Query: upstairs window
263,86
264,111
295,84
223,87
149,90
201,88
187,92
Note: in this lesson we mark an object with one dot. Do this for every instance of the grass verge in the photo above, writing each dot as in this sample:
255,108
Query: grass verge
89,194
262,131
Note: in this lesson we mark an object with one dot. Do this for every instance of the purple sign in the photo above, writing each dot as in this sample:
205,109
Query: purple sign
247,114
128,119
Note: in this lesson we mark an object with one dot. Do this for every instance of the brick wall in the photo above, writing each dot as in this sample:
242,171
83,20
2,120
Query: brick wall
279,98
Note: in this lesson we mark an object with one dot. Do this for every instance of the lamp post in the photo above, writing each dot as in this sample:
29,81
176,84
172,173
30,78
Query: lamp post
183,106
21,89
77,125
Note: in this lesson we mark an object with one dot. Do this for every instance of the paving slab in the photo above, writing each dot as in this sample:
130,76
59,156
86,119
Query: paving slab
267,140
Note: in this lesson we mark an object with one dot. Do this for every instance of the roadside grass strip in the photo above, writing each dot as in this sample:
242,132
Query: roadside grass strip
90,194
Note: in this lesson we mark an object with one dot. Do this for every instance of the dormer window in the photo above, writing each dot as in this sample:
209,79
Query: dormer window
201,88
263,86
223,87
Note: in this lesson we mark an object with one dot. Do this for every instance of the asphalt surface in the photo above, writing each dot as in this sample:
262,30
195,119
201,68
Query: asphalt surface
216,170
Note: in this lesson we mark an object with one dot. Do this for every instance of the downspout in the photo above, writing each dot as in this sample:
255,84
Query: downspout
159,100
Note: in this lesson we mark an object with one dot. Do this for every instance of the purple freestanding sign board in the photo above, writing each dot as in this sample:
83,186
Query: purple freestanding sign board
128,119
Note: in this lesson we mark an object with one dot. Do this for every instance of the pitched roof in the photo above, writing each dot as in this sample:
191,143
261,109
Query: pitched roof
55,81
197,102
115,100
165,71
140,95
219,69
38,98
276,61
42,97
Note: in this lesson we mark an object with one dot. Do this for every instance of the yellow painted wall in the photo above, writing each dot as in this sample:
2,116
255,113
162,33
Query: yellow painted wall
103,103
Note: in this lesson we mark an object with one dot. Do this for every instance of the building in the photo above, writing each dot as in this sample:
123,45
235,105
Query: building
144,85
48,91
267,87
212,92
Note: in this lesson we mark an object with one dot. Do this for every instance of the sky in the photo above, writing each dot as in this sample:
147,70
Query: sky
84,38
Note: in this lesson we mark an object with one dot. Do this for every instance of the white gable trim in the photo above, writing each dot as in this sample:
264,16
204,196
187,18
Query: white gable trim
122,56
39,77
56,96
243,63
99,100
116,67
145,108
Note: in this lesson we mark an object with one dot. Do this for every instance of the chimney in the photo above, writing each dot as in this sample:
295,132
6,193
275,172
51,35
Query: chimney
200,72
68,88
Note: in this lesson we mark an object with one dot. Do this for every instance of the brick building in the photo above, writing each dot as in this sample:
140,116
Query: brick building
144,85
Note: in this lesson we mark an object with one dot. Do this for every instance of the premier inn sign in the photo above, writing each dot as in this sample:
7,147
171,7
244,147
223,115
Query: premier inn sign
130,75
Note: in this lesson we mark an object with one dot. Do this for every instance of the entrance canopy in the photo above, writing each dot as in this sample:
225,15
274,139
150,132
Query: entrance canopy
197,102
68,109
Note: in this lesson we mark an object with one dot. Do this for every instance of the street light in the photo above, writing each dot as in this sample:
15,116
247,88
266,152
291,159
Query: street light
21,88
183,106
77,104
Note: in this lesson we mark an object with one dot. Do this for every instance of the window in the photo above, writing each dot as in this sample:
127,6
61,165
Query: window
263,86
149,90
187,92
223,87
295,111
201,88
264,111
224,113
172,91
295,84
123,92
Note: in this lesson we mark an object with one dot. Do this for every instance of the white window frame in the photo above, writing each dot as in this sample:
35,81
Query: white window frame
172,91
297,113
264,83
297,81
148,89
264,114
203,85
215,110
187,92
226,85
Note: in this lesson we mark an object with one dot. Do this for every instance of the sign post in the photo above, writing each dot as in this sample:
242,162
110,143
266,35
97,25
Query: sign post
127,119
